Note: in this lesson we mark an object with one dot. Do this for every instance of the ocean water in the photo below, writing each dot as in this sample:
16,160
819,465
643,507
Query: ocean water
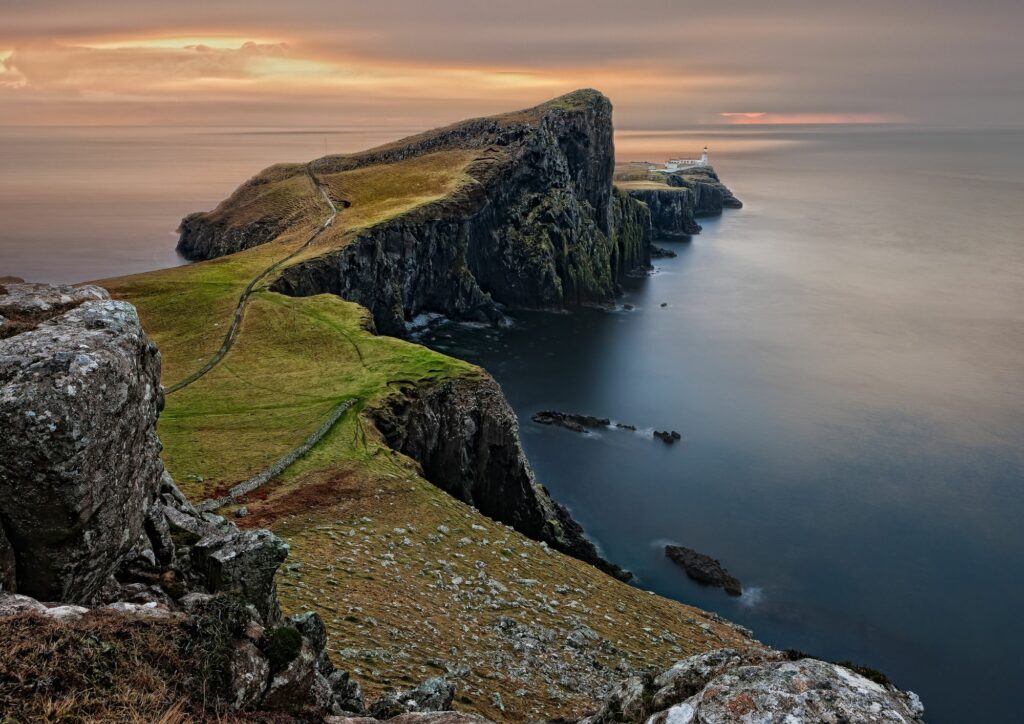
844,358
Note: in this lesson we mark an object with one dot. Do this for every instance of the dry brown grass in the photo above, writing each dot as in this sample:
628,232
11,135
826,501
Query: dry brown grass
106,667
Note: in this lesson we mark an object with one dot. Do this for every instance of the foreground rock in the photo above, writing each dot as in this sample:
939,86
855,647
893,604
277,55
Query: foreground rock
766,687
79,457
703,569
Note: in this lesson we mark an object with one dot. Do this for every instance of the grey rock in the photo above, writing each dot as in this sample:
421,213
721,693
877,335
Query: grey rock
8,572
14,604
289,688
725,687
79,458
250,674
243,563
348,695
434,694
703,569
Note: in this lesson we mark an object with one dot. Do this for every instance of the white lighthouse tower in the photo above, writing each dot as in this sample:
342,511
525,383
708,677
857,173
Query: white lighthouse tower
704,157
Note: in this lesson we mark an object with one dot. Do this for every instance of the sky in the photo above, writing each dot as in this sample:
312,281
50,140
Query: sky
666,64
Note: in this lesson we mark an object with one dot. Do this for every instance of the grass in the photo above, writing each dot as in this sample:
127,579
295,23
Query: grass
293,361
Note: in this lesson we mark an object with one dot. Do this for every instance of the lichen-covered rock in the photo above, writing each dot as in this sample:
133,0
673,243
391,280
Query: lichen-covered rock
243,563
290,686
249,675
724,687
24,305
79,457
433,695
465,436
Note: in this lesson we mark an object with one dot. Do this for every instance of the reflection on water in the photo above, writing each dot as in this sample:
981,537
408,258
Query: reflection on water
843,360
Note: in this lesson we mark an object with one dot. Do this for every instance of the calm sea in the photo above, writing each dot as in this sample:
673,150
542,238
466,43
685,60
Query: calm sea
844,358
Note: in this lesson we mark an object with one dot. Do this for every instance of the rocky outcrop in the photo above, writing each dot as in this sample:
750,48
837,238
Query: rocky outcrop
79,457
677,200
570,421
465,437
704,569
765,686
257,212
539,225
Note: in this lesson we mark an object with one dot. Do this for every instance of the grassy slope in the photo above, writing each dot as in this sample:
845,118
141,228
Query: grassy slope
388,601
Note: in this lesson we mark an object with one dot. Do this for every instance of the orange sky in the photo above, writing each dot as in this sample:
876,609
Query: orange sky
665,63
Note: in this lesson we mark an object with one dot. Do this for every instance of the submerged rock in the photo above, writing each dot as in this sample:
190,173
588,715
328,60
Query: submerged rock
703,569
79,457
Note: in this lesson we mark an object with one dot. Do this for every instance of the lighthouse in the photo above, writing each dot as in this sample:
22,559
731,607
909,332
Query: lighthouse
678,164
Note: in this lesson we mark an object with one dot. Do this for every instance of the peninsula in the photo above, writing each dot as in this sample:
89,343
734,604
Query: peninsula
314,460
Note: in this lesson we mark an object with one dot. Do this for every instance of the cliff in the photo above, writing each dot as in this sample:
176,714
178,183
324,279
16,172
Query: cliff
676,200
533,222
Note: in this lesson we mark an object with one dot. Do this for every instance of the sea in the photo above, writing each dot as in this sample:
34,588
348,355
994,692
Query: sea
843,358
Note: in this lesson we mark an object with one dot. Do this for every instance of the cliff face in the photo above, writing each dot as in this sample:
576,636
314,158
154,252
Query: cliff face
465,437
536,225
677,200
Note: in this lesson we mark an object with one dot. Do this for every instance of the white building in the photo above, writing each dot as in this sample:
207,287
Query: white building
677,164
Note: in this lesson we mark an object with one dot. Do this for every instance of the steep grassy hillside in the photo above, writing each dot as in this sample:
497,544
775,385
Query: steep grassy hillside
410,581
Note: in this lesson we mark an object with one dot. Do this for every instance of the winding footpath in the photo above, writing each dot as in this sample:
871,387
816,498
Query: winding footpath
279,466
236,320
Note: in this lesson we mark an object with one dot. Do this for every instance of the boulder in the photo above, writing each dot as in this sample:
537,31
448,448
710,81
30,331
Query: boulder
243,563
79,458
704,569
290,686
8,573
724,686
433,695
250,673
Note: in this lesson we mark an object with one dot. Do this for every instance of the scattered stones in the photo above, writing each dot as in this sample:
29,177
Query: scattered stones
703,569
435,694
667,437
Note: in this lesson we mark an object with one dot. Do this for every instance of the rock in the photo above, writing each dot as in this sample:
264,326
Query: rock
807,690
667,437
658,252
703,569
24,306
79,458
627,702
434,695
348,695
8,572
242,512
250,673
13,604
290,686
576,423
243,563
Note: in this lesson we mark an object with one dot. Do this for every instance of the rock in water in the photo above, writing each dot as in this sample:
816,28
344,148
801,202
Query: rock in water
704,569
570,421
79,457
